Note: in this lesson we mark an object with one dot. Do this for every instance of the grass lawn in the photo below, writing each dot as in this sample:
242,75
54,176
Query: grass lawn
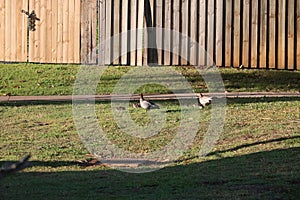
256,157
36,79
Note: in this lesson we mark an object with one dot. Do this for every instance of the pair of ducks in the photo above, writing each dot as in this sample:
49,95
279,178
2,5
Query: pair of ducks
202,101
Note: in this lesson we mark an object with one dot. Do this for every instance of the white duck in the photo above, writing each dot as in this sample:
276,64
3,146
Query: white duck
204,100
147,104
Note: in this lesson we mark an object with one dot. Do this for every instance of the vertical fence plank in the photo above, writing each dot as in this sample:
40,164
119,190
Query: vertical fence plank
42,31
210,33
21,31
140,23
93,35
281,33
7,29
88,31
145,42
77,31
35,41
59,44
133,36
263,34
13,31
102,32
185,32
254,31
202,32
194,34
116,31
159,35
2,30
219,32
48,32
84,30
228,32
150,40
167,39
246,33
272,34
49,11
54,30
176,31
298,36
108,33
31,36
124,40
66,30
236,33
71,31
291,38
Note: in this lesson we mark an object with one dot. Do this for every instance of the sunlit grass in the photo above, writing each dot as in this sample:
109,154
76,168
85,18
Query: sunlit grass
35,79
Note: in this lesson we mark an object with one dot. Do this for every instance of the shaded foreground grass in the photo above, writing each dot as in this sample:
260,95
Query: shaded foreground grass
264,175
35,79
257,155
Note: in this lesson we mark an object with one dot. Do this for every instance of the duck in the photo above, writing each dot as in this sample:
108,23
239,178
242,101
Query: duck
147,104
136,105
204,100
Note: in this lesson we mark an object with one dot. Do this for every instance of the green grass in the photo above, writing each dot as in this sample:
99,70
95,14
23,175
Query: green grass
36,79
256,157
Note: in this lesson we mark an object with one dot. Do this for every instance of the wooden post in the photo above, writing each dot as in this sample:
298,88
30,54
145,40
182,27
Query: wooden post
219,32
176,31
290,34
2,30
185,33
236,33
281,34
167,37
246,33
263,35
228,32
202,32
210,33
140,35
125,37
272,35
254,33
298,36
159,35
194,34
116,31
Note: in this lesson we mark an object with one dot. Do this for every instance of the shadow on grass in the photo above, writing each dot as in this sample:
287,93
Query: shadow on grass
261,80
254,144
261,100
229,101
264,175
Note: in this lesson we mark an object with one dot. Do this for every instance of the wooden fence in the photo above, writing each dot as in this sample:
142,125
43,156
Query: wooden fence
60,35
253,33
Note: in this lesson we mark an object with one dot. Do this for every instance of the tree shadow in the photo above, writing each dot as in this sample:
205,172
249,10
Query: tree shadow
261,80
253,144
264,175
